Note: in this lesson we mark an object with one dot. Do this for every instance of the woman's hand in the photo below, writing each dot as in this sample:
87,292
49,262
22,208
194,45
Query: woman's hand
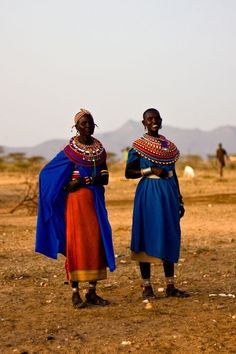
181,211
160,172
74,185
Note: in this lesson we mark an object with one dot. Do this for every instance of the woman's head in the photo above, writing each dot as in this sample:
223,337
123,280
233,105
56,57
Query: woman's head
83,112
84,122
152,121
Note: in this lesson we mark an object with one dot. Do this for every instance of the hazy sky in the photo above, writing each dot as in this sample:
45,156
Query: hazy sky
115,58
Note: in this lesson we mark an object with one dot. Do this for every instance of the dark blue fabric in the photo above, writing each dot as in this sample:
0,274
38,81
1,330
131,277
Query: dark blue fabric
105,226
51,229
156,221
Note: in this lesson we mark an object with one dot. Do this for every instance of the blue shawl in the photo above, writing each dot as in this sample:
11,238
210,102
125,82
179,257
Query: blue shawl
51,228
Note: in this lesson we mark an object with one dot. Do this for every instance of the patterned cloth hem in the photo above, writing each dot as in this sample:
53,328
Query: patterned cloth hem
144,257
88,275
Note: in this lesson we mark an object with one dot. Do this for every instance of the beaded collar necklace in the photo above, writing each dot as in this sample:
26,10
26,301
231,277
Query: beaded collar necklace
156,149
91,152
158,142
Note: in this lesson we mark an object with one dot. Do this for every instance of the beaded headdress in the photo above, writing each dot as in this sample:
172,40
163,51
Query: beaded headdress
83,112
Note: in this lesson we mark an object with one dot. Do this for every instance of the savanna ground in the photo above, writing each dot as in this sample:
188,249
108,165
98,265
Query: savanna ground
36,315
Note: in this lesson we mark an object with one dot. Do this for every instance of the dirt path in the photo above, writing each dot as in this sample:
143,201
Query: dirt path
36,315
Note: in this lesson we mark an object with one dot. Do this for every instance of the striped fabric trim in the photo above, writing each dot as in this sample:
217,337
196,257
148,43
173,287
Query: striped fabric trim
88,275
144,257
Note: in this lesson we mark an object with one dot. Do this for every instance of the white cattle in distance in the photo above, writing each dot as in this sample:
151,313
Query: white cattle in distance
188,172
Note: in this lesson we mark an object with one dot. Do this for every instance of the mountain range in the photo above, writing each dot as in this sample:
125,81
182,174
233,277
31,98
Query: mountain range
189,141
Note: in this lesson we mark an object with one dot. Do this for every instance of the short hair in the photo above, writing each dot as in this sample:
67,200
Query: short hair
152,110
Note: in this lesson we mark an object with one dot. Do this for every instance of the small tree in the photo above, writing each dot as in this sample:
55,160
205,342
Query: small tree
16,157
36,163
111,157
36,159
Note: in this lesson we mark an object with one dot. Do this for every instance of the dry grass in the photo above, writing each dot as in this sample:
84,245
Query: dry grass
36,314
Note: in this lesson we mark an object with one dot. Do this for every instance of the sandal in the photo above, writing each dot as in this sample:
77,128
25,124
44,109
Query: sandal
77,301
148,292
93,299
174,292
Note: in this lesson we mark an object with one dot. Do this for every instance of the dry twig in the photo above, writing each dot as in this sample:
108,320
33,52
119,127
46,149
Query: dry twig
30,198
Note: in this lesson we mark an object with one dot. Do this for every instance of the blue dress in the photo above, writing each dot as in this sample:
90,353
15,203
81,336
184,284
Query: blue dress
156,219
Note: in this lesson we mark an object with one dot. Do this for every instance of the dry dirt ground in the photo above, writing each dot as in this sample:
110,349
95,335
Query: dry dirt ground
36,315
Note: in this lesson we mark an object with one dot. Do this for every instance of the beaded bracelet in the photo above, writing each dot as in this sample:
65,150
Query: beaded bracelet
88,180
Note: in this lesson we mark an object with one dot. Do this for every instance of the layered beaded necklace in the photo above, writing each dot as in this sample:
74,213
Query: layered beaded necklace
91,152
156,149
85,155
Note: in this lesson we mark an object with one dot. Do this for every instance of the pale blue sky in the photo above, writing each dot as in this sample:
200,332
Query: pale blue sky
115,58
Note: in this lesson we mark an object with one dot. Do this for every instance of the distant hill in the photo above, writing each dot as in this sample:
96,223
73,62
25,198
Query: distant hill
189,141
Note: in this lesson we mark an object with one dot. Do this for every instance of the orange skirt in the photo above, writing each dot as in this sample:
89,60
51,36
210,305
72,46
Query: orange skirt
86,260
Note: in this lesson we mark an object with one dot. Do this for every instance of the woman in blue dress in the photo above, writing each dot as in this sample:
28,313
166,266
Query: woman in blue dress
158,204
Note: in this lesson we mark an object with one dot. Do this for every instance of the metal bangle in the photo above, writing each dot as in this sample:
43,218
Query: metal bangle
146,171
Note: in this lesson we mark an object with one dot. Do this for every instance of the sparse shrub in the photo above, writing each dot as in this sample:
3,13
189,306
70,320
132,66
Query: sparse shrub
111,157
18,162
29,200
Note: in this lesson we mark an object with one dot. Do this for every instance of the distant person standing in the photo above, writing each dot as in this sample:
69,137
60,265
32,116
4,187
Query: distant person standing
221,156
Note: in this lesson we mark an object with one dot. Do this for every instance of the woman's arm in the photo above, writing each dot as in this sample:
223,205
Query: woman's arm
102,179
177,183
98,180
133,170
74,185
181,202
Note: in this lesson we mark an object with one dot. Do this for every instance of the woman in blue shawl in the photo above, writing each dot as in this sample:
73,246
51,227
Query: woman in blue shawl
72,217
158,204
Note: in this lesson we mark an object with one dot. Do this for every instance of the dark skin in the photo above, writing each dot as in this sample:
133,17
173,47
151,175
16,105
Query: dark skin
152,122
85,126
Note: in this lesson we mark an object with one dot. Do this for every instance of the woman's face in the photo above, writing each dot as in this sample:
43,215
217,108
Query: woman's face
85,126
152,121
